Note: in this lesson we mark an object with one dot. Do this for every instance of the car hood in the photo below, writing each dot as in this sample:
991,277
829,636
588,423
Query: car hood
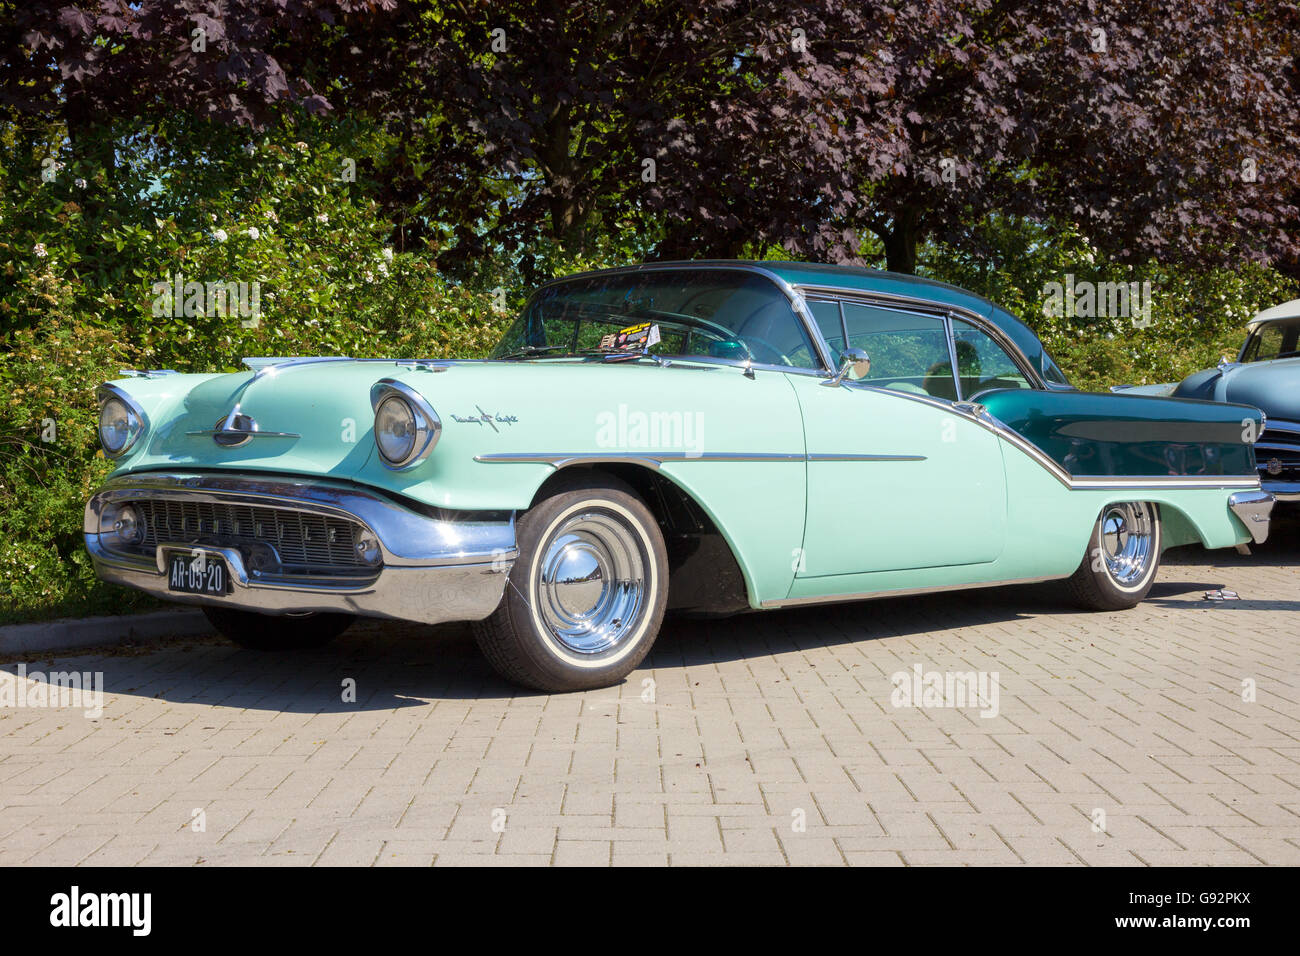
1273,387
313,418
491,411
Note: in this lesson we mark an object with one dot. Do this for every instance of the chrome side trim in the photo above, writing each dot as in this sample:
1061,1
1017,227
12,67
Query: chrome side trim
655,459
821,457
974,412
583,458
900,592
650,459
1253,508
1169,481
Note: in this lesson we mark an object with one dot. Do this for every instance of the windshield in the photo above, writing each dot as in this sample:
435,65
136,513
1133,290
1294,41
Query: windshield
704,313
1272,340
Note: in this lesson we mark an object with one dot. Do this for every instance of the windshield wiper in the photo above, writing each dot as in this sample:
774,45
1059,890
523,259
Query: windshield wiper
609,355
532,350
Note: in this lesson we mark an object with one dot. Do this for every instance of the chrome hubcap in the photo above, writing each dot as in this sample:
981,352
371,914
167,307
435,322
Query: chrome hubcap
1127,538
591,582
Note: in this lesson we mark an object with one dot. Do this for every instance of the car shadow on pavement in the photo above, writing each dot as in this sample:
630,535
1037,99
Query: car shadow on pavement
691,642
389,666
374,666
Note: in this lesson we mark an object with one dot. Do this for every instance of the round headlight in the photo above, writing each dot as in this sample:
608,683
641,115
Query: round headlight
118,425
395,429
406,426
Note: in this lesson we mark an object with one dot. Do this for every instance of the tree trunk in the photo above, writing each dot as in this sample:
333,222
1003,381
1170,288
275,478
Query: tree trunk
901,239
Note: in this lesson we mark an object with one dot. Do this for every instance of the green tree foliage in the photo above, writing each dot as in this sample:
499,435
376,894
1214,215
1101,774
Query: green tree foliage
392,177
1196,316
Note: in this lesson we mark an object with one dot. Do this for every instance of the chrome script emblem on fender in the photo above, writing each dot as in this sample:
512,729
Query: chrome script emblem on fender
486,418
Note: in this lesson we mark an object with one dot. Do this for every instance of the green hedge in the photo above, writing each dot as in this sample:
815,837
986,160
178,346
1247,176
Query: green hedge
1196,317
86,234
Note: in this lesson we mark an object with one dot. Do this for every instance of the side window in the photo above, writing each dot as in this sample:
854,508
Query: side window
1051,371
827,316
1266,344
982,363
909,352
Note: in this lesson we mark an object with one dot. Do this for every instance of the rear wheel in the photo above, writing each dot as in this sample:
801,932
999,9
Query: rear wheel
1122,558
585,599
277,632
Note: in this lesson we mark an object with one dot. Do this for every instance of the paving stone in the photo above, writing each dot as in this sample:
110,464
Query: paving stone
771,739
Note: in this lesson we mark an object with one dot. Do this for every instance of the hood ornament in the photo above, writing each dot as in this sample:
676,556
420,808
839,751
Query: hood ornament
237,429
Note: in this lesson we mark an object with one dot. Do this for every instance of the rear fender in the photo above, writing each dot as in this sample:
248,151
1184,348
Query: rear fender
1099,435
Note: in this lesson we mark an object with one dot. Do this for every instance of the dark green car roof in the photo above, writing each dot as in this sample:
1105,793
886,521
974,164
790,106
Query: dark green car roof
861,279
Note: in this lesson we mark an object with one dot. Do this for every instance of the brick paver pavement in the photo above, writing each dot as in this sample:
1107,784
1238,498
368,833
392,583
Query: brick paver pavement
1126,738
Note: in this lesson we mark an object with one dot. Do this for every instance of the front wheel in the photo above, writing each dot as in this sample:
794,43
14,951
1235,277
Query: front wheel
276,632
585,599
1122,558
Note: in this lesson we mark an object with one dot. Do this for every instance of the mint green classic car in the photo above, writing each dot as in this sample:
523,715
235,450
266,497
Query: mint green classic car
706,437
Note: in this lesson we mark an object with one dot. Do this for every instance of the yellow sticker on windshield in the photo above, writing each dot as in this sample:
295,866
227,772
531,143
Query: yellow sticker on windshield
633,338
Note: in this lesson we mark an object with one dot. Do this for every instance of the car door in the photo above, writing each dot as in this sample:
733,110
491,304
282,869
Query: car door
899,476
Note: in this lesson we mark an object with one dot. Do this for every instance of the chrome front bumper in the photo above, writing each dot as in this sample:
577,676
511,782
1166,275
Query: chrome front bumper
1288,491
433,566
1254,509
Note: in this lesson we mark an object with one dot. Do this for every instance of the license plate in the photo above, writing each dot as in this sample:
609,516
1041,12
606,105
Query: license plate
196,574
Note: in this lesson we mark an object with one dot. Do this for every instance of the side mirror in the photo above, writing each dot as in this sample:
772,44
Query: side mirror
854,364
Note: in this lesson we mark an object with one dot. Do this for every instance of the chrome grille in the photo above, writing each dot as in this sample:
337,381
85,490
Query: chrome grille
1279,445
306,543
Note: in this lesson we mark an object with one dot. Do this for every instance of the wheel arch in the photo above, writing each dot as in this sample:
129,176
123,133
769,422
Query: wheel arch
706,573
1184,522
